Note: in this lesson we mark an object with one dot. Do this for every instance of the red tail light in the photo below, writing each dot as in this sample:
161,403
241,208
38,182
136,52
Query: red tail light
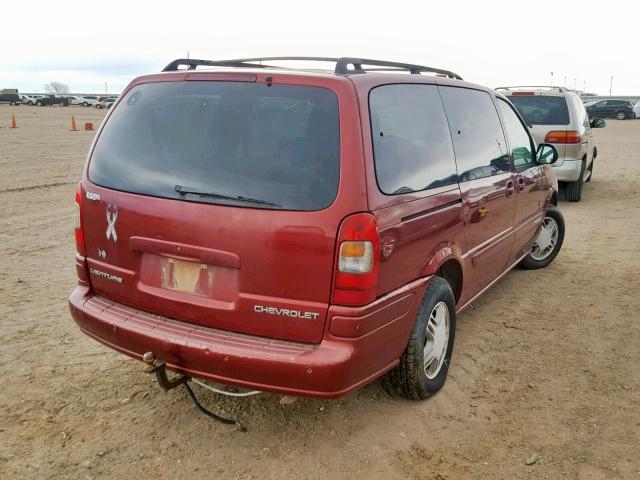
522,94
357,261
561,136
80,246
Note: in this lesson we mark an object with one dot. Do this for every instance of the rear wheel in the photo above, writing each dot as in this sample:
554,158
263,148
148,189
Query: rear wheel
39,104
548,242
621,115
574,189
424,365
85,104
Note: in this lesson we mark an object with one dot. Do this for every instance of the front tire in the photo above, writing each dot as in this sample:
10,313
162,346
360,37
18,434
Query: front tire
548,241
424,365
621,115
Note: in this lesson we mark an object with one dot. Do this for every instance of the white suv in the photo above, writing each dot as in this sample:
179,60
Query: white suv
557,115
88,100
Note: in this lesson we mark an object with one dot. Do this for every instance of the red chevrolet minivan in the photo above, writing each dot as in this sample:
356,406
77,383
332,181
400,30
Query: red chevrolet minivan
305,231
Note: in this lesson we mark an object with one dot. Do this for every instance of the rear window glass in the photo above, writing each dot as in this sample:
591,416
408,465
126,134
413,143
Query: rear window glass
245,144
542,109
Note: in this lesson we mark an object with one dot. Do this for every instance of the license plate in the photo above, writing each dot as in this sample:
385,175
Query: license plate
189,277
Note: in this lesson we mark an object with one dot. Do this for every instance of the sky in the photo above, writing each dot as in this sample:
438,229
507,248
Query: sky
495,43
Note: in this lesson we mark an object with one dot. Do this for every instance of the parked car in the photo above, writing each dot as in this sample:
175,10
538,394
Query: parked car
106,103
557,115
636,109
10,98
620,109
89,100
27,99
47,100
31,99
74,100
301,232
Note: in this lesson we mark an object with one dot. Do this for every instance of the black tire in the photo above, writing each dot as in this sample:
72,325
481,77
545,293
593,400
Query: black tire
530,263
409,378
85,104
30,103
621,115
12,102
39,104
574,189
593,162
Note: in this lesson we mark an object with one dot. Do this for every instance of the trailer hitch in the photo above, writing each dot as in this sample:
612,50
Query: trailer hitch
154,365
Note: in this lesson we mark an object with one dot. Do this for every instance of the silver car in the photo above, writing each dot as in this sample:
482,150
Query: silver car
557,115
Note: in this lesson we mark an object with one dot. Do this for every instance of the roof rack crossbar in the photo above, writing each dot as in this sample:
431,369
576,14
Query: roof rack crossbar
343,65
193,63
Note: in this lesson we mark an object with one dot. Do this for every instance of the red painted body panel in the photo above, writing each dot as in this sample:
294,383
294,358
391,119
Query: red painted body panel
329,369
285,260
281,259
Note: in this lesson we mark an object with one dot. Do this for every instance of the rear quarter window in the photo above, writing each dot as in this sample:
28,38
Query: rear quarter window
279,144
542,109
411,142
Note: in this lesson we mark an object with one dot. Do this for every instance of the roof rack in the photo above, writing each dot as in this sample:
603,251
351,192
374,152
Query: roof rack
551,87
343,65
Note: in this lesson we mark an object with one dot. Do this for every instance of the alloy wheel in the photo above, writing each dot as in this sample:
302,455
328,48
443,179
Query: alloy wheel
436,340
546,240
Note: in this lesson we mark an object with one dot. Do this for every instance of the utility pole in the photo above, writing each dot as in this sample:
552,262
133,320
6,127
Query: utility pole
552,79
584,86
575,83
565,81
105,88
611,85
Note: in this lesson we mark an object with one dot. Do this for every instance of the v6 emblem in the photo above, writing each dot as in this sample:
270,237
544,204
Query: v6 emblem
112,216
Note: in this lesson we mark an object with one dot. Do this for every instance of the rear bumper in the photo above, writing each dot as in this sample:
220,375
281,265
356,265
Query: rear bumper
359,344
568,171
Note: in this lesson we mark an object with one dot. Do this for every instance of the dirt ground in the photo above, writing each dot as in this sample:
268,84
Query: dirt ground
545,369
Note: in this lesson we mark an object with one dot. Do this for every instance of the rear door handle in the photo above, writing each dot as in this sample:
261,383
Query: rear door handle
510,188
521,184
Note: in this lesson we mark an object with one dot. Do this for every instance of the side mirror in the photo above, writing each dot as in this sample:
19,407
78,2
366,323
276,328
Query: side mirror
547,154
598,123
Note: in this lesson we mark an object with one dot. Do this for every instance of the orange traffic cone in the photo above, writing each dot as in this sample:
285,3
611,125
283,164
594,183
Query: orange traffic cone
13,121
73,124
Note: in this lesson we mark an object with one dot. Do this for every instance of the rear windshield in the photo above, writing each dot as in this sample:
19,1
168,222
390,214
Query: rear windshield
244,144
541,109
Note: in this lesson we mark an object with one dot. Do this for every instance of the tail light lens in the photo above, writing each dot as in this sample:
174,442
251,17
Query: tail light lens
562,136
80,246
358,260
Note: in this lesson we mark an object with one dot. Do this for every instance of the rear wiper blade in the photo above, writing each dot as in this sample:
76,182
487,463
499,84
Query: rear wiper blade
182,190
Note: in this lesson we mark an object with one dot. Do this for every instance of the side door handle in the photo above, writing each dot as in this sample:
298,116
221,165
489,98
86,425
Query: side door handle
511,189
521,184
